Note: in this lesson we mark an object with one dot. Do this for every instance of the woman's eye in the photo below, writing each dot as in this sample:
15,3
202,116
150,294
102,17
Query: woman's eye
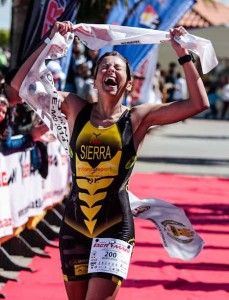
104,67
119,68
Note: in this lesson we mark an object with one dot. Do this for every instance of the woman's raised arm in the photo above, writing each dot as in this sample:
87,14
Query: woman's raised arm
62,28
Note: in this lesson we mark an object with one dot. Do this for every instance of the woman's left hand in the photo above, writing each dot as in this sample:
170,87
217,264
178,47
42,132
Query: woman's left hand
178,32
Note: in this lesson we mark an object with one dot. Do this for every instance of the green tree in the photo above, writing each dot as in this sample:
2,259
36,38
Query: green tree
95,11
4,37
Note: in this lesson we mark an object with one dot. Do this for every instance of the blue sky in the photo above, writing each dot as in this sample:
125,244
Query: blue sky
5,14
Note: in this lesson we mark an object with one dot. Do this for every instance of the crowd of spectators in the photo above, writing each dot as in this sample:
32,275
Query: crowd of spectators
21,129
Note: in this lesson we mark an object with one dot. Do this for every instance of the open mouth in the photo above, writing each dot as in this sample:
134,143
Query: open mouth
110,81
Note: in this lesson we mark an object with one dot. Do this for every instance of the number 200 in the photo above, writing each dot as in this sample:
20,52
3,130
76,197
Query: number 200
110,254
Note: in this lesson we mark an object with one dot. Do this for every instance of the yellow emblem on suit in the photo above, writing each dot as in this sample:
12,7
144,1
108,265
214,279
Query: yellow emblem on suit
97,164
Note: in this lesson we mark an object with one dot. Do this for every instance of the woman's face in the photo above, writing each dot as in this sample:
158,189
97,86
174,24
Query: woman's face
111,77
3,110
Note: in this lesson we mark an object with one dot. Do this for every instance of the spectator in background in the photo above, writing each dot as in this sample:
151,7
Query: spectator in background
170,82
84,82
58,75
4,104
26,122
163,74
77,54
158,70
225,98
158,84
91,57
133,97
213,97
180,88
10,142
23,115
8,145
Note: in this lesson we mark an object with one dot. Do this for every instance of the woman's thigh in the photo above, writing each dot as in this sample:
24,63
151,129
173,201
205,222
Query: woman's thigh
76,290
101,289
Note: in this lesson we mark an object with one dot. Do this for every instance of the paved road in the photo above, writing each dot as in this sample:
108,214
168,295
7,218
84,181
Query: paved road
195,147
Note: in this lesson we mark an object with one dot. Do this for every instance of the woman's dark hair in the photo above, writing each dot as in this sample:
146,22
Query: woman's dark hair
114,53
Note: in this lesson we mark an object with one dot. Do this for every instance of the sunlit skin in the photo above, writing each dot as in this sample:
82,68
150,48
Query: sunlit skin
111,78
112,85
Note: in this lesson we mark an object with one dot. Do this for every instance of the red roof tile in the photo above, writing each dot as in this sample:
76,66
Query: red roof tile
205,14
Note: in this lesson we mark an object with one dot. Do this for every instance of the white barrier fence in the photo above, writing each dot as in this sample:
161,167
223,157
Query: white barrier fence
23,193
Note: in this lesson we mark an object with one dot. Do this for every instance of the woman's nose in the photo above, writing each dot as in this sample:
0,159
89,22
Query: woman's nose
111,69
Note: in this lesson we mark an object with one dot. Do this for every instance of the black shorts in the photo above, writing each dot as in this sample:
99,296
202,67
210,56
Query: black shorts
75,252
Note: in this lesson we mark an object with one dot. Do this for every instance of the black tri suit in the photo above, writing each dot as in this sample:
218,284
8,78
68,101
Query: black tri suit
98,204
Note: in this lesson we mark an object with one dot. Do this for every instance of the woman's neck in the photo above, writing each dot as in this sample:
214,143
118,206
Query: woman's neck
107,110
106,115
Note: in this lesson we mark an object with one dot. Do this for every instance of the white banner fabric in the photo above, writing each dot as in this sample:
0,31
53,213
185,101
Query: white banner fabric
178,236
6,227
18,166
97,36
56,184
35,196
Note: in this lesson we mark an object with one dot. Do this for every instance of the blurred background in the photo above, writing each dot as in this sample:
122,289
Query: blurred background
34,169
23,24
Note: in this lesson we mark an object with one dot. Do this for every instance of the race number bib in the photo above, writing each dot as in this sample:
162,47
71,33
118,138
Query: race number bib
110,256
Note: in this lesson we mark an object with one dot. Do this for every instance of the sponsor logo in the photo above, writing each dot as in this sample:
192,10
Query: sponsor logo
93,170
149,17
178,231
95,152
3,179
113,245
94,139
54,11
80,269
101,245
140,209
131,42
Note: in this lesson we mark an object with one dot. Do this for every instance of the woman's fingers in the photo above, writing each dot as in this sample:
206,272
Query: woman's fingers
178,31
64,27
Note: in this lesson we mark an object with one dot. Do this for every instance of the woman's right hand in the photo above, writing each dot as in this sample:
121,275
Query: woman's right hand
62,28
